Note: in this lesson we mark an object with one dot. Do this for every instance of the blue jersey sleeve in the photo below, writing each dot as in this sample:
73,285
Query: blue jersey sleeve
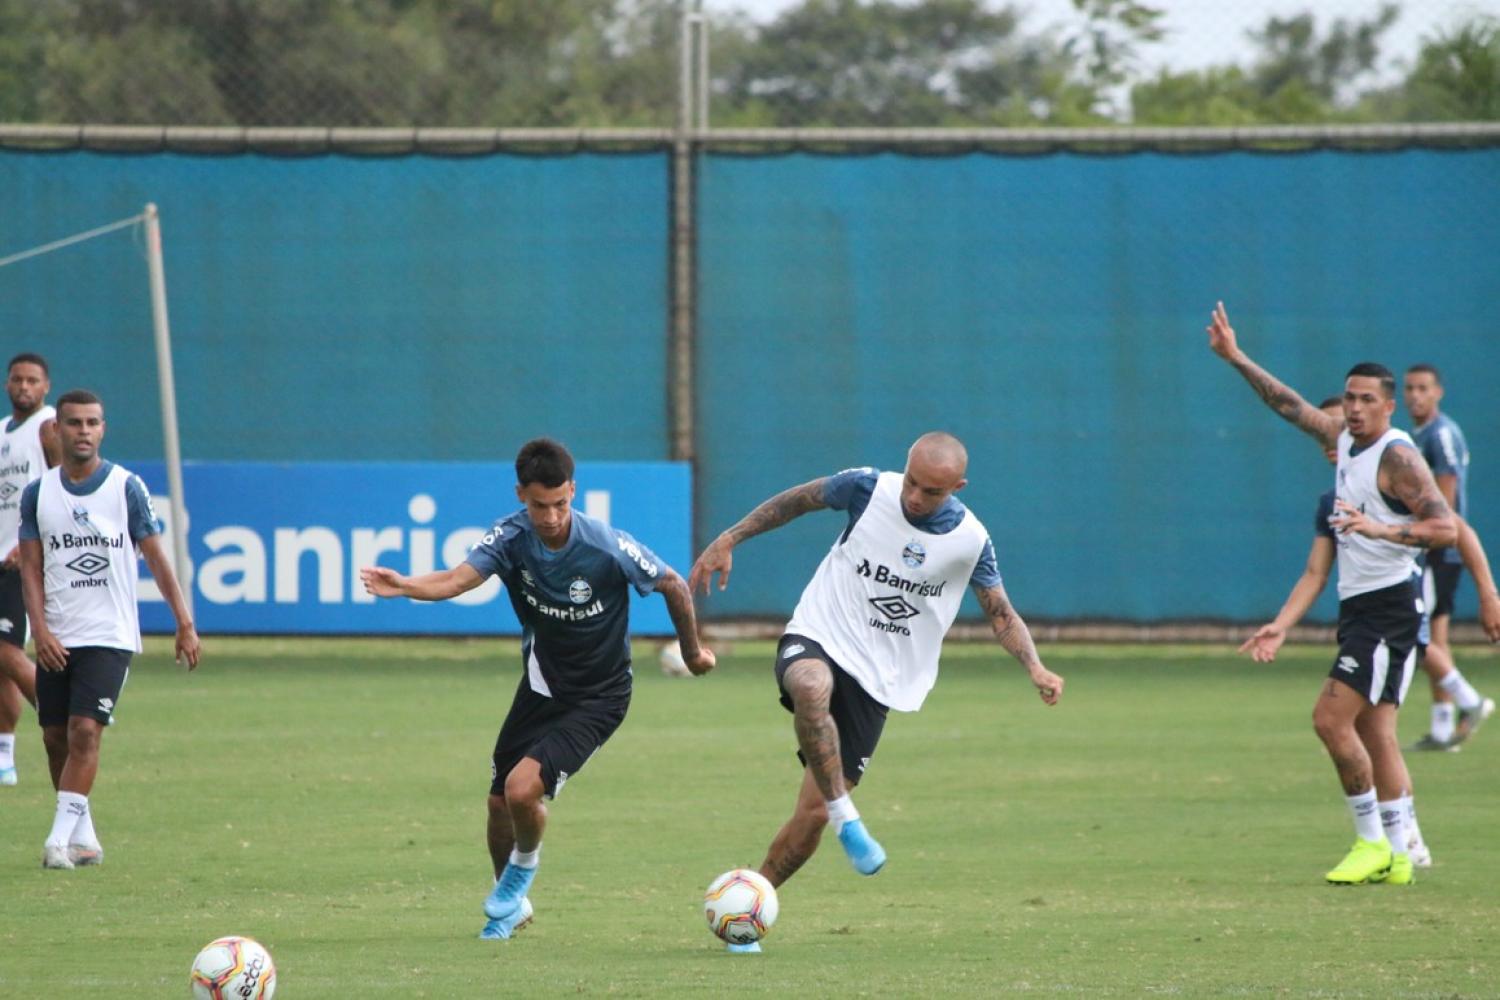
851,490
142,513
29,530
640,565
491,555
1321,527
1441,451
986,571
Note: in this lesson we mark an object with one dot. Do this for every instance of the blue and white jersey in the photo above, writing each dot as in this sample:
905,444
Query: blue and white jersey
573,603
1442,443
851,490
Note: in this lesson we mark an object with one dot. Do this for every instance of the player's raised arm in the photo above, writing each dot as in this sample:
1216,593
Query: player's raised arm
783,507
1013,634
698,657
1278,396
382,581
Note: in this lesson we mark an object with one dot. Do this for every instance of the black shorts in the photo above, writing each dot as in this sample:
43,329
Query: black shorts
1439,584
560,735
12,609
860,718
1378,637
88,686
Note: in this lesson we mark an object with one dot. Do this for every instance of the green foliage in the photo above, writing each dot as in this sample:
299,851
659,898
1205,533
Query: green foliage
582,63
1163,831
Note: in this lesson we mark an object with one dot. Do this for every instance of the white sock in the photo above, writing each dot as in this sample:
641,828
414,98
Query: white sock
1366,815
1442,721
1393,822
70,806
83,833
526,859
1462,691
7,750
840,811
1413,831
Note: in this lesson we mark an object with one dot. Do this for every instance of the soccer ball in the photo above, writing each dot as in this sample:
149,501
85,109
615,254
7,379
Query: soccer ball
740,906
234,968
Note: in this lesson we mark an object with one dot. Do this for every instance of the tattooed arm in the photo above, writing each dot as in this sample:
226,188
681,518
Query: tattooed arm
1284,400
1013,634
698,657
783,507
1404,475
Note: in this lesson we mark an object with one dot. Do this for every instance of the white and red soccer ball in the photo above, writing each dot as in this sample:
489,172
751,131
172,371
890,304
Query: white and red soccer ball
234,968
740,906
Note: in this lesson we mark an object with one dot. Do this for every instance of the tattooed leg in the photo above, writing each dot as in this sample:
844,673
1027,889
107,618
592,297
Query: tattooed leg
1334,716
810,684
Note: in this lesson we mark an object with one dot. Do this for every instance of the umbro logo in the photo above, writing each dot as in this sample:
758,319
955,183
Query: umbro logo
895,607
6,625
8,490
106,705
793,650
89,564
1348,664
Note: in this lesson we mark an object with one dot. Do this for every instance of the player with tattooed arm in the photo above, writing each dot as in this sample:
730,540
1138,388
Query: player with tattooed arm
866,635
1387,507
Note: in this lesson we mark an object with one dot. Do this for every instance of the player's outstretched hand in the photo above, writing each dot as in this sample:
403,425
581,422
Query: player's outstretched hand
1048,684
717,558
1221,335
188,648
1489,615
381,581
1262,646
702,663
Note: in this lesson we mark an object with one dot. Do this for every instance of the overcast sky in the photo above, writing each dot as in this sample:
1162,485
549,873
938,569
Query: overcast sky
1212,32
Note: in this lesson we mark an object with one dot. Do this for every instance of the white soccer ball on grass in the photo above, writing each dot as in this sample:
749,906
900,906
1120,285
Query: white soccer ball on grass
234,968
740,906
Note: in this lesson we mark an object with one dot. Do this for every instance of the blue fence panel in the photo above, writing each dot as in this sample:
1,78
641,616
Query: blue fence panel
277,548
342,308
1050,311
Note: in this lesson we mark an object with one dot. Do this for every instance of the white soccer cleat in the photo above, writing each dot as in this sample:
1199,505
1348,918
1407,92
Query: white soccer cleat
1420,853
56,856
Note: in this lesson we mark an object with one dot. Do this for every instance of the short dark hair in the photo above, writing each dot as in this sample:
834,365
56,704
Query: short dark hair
1417,369
28,358
1369,369
1331,401
81,397
545,461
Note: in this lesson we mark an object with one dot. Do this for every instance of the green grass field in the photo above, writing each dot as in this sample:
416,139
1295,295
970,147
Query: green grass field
1163,831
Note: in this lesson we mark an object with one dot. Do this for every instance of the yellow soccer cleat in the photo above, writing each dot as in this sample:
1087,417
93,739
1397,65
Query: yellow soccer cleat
1402,871
1367,861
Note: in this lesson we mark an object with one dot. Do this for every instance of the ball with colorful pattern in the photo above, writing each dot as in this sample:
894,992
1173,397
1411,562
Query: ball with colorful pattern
740,906
233,968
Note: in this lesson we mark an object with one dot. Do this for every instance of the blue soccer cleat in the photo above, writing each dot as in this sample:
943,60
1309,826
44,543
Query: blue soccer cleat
749,948
501,930
505,898
867,856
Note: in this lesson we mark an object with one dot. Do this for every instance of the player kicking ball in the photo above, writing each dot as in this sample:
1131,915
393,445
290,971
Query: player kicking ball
866,635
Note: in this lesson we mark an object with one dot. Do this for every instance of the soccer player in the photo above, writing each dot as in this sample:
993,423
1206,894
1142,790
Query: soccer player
28,447
1386,507
569,578
866,635
1442,444
1264,643
82,526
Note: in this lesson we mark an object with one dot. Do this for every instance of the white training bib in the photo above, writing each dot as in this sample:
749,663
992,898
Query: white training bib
89,563
884,597
22,460
1368,564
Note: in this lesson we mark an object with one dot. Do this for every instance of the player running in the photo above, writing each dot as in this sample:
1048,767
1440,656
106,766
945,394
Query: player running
866,635
1386,507
569,578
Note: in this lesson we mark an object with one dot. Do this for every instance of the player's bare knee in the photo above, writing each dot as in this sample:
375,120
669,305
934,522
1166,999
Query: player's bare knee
82,737
523,788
